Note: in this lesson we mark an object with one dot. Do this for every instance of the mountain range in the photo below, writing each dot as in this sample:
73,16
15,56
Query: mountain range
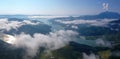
103,15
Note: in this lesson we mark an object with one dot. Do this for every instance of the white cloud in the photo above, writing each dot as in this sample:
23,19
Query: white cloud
76,21
100,42
46,16
74,27
29,22
101,22
91,56
103,43
51,41
7,25
105,6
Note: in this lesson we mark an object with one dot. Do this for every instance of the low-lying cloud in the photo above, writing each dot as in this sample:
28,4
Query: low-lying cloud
7,25
103,43
48,17
51,41
102,22
91,56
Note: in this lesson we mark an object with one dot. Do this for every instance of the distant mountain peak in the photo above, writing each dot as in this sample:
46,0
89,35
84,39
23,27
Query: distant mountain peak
102,15
109,13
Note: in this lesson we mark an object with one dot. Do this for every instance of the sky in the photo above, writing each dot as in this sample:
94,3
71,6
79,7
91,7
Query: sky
58,7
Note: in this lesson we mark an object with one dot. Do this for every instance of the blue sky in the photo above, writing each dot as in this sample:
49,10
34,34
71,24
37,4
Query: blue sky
57,7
